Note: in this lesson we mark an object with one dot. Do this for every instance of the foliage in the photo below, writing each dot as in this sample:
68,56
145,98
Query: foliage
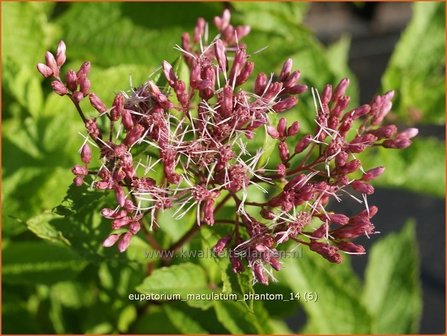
56,276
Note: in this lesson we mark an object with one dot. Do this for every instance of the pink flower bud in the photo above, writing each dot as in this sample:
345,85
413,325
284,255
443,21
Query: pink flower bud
272,131
293,129
281,169
296,89
292,79
283,151
134,227
77,96
111,240
351,247
208,211
84,70
227,101
245,73
363,187
221,244
97,104
51,63
408,133
118,107
127,119
79,170
219,50
303,143
124,243
169,73
341,88
84,86
373,173
360,111
78,180
329,252
119,195
222,22
44,70
386,131
259,274
321,231
341,159
133,135
286,68
120,222
71,80
398,143
285,104
86,153
282,125
60,53
199,29
236,264
260,83
339,219
59,88
327,94
242,31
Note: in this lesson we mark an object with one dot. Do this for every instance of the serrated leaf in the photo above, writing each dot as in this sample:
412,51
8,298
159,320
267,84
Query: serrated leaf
182,279
130,33
183,322
41,227
416,68
336,288
39,262
235,317
392,291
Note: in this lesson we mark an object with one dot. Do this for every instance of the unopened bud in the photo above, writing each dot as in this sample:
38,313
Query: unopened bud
303,143
293,129
59,88
111,240
273,132
51,63
60,53
44,70
86,153
71,80
97,103
285,104
341,88
373,173
363,187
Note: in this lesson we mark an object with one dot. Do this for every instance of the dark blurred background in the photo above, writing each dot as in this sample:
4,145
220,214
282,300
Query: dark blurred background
375,28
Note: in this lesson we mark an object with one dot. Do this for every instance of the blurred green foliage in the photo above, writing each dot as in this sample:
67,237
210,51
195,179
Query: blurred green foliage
56,276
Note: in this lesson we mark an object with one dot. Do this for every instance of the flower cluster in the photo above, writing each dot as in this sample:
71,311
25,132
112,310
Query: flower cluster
197,131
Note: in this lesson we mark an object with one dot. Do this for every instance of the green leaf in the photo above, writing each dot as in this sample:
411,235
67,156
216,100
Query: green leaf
156,322
420,168
130,33
25,33
235,317
183,279
39,262
392,291
126,318
269,16
335,288
183,322
40,226
416,68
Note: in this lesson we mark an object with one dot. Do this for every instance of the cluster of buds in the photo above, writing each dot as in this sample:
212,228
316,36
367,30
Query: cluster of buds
197,131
